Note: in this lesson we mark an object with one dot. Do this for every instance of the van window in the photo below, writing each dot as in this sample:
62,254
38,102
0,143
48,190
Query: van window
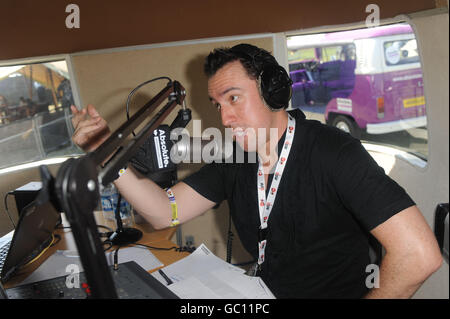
35,113
367,82
401,52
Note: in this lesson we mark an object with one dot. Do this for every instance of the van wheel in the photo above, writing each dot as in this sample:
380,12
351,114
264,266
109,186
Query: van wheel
347,125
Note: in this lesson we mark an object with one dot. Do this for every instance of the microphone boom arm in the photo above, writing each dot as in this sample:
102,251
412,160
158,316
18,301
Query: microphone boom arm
175,93
77,185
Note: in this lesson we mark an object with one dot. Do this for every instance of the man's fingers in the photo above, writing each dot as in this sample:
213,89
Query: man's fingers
86,132
78,116
90,125
74,109
90,129
92,111
88,122
89,137
75,117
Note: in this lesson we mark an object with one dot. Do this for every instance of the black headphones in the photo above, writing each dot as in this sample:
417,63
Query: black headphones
275,85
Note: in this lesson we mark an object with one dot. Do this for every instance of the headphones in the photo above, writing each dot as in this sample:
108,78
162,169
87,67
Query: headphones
275,85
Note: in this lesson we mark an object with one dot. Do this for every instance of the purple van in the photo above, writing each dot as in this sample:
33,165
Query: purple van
370,80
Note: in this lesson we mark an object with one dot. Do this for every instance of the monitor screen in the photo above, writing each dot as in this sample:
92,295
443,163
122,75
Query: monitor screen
33,233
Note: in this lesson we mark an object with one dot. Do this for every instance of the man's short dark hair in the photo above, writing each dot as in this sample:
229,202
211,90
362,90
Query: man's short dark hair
251,57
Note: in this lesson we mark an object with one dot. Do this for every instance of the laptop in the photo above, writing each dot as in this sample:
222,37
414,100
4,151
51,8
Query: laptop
33,233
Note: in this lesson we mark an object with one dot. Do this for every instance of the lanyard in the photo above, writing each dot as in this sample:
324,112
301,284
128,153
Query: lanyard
266,204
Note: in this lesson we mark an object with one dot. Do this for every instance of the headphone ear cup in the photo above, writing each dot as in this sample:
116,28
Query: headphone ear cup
276,87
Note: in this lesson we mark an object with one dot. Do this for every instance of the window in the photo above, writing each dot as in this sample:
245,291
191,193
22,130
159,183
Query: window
367,82
35,113
401,52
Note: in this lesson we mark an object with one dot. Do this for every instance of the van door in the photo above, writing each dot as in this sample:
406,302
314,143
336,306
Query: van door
402,81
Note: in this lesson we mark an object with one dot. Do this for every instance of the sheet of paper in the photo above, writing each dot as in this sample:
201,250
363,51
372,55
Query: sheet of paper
204,275
141,255
192,288
201,261
56,265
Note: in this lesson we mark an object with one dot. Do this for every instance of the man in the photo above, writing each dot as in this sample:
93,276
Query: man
308,229
65,93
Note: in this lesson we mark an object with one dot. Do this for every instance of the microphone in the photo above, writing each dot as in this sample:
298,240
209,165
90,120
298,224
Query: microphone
197,150
158,157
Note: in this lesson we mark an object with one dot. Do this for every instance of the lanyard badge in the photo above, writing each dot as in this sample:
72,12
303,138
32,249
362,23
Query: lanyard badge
266,204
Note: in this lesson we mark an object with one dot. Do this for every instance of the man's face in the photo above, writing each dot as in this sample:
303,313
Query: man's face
237,98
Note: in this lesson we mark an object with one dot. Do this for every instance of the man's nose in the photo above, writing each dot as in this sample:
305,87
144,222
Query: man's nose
228,116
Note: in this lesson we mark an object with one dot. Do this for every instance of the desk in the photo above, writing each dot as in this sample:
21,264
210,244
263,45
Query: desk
156,238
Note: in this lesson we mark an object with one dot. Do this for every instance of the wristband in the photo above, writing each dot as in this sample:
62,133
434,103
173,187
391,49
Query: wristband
122,171
173,206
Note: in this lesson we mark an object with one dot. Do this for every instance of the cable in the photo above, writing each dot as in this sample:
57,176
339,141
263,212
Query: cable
105,227
178,249
138,87
55,242
6,208
117,213
116,252
116,258
60,226
149,247
99,226
41,253
109,243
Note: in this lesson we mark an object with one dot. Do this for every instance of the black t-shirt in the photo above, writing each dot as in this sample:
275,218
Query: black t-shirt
331,194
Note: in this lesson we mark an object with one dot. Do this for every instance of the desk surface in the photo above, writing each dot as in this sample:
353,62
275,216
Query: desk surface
156,238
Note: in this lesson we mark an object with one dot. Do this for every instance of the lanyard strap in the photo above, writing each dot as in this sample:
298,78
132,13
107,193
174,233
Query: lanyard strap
266,204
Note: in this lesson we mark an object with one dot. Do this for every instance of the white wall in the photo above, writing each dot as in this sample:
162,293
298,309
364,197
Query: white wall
430,186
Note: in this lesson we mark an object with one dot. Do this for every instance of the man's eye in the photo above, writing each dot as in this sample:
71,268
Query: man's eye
234,98
218,106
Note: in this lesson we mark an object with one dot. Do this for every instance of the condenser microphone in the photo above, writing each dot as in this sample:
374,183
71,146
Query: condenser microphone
164,149
201,150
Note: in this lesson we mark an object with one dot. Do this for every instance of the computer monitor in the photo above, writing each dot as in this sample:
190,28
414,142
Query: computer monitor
34,230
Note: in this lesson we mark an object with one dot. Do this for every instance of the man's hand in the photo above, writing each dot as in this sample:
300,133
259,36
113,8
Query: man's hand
91,130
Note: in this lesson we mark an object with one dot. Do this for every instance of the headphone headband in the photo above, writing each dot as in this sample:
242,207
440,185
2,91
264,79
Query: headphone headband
275,83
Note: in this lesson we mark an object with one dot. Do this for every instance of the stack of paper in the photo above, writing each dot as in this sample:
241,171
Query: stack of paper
202,275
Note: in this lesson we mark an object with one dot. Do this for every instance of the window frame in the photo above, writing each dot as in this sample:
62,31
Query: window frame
75,93
281,54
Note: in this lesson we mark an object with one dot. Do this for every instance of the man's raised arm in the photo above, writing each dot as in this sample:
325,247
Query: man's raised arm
146,197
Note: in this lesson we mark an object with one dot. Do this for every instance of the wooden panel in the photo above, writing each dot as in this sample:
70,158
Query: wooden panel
35,28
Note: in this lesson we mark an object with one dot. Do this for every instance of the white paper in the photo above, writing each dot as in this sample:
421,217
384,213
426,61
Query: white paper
141,255
196,290
202,275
